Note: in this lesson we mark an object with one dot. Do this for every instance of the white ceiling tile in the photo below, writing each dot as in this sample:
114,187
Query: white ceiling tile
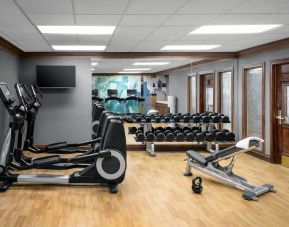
154,6
209,6
274,18
186,20
170,32
131,33
25,36
46,7
52,19
61,39
261,6
116,42
150,46
236,19
94,39
32,45
100,6
143,20
8,7
16,23
100,20
198,37
119,48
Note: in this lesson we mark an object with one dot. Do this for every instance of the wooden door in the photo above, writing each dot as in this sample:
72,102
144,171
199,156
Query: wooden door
280,122
207,93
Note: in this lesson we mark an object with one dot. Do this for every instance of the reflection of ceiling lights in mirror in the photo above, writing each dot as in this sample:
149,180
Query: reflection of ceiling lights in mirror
78,47
134,72
234,29
137,69
190,47
80,30
94,63
92,69
151,63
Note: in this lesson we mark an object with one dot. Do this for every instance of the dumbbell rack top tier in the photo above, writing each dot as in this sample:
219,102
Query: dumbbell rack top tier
150,145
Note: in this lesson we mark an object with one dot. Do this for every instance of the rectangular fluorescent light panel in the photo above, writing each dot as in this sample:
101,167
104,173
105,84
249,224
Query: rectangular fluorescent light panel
135,72
151,63
78,48
77,30
190,47
234,29
137,69
94,63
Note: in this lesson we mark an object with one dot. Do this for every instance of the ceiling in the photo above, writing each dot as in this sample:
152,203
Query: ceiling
117,65
142,25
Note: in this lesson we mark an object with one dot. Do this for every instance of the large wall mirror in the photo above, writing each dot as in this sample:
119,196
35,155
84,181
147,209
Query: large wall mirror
253,101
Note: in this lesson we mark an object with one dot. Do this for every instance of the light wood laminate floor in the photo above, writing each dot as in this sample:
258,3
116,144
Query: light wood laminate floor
154,193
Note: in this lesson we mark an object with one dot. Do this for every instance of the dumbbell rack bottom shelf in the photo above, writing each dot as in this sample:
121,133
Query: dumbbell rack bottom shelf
150,145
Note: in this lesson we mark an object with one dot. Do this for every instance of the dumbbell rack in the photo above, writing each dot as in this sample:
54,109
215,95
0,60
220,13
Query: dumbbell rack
150,146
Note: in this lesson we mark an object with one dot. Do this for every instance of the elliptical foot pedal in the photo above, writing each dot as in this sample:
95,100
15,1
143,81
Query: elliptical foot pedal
55,146
54,159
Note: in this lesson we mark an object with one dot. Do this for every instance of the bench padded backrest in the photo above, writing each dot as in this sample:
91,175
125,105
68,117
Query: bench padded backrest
223,153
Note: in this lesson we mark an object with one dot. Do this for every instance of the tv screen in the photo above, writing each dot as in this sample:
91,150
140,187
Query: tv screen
55,76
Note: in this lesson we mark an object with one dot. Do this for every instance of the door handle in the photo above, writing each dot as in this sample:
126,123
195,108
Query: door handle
280,118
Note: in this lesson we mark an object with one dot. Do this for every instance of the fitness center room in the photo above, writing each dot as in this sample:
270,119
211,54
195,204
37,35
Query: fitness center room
144,113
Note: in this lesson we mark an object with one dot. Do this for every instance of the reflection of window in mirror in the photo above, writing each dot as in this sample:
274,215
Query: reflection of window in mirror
226,97
209,99
193,94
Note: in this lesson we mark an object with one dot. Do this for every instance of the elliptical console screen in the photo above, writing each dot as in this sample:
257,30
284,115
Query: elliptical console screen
25,94
131,92
5,93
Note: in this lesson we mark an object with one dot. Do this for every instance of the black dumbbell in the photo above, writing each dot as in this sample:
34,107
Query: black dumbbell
150,136
189,135
167,119
209,136
205,119
220,136
169,135
132,130
168,128
198,135
176,118
186,119
138,119
195,118
159,135
157,119
140,136
229,136
224,119
215,119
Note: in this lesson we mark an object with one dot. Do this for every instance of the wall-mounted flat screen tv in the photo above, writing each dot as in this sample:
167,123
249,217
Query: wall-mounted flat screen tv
49,76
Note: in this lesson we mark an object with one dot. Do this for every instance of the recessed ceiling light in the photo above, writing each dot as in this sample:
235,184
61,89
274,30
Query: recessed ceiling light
234,29
81,30
92,69
137,69
78,47
136,72
94,63
190,47
151,63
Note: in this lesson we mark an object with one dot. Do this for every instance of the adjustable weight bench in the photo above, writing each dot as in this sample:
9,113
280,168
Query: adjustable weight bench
210,165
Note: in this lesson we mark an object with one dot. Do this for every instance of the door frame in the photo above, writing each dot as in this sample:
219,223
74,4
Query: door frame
190,92
218,92
244,102
274,157
201,99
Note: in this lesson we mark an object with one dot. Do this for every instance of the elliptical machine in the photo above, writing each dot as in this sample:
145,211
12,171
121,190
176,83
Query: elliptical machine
108,167
33,102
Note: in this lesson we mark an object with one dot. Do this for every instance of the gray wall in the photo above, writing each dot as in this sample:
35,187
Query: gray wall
9,75
178,85
65,114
